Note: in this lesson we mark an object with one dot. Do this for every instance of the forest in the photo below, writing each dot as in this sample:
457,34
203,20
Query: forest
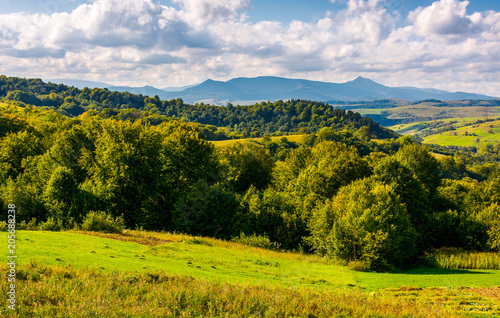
240,121
351,189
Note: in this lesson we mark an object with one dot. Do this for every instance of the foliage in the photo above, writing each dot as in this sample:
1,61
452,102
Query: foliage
254,120
255,240
51,225
100,221
274,215
246,165
125,156
206,211
364,221
456,258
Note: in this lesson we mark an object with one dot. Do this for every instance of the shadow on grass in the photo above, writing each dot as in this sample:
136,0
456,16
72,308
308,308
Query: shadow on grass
440,271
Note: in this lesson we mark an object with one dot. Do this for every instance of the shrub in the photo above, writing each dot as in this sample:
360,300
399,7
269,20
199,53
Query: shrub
359,266
199,241
365,221
102,222
51,225
3,226
255,240
457,258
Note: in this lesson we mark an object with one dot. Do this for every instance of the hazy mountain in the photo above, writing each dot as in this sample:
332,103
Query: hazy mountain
275,88
177,89
244,90
145,90
78,83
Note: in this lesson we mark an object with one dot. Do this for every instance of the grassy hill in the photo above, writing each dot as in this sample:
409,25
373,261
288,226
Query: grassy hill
76,274
454,131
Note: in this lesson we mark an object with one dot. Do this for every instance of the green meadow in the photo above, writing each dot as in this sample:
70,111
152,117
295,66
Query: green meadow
467,133
82,274
226,261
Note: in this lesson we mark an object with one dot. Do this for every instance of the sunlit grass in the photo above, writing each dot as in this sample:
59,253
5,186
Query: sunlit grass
55,291
452,258
181,254
151,274
292,138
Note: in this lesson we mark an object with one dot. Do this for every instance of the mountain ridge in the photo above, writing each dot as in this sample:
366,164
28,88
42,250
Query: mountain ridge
250,90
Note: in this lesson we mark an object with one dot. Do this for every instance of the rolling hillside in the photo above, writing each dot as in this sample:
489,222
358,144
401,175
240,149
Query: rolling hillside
112,275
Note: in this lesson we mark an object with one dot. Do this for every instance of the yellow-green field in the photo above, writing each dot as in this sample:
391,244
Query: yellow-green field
292,138
148,274
467,132
429,112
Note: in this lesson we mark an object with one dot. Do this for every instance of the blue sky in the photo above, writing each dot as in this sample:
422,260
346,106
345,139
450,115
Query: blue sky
281,10
446,44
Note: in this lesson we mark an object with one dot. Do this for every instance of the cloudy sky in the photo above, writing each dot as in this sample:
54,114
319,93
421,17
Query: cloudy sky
446,44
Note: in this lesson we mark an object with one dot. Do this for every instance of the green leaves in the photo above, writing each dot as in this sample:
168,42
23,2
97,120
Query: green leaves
365,221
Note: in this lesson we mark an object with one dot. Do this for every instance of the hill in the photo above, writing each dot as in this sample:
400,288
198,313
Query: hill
248,121
243,90
181,275
249,90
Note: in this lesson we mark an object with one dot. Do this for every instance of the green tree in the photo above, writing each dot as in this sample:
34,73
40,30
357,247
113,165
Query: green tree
246,165
207,210
16,148
364,221
129,175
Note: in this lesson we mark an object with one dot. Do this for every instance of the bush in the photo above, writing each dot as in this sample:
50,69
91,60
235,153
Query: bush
359,266
255,240
3,226
51,225
457,258
102,222
365,221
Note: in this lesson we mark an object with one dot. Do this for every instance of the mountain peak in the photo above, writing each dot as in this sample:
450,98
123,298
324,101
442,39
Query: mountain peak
361,79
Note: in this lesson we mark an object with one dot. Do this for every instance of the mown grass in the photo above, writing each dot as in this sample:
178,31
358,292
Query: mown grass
222,260
427,111
55,291
180,254
149,274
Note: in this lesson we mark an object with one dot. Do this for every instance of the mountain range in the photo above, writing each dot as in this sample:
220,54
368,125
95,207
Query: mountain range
244,91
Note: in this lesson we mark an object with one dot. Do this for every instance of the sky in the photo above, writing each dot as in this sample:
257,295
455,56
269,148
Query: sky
446,44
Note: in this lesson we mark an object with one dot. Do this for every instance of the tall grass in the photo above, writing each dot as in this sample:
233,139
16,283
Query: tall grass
53,291
454,258
255,240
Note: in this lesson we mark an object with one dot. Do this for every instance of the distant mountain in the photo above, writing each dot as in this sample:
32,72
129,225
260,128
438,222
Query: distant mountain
244,90
145,90
177,89
78,83
275,88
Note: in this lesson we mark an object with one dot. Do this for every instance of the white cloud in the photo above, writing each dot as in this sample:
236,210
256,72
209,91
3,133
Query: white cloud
137,42
203,12
444,17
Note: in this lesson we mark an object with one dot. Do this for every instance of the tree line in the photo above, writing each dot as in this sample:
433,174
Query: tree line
336,193
246,121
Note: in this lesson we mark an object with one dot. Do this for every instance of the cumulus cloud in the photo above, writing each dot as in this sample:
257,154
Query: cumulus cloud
203,12
137,42
445,17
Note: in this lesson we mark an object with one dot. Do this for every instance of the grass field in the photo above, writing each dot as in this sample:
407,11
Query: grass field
226,261
128,262
467,133
292,138
431,112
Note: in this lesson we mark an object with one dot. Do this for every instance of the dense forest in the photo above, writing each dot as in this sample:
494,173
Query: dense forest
338,193
246,121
